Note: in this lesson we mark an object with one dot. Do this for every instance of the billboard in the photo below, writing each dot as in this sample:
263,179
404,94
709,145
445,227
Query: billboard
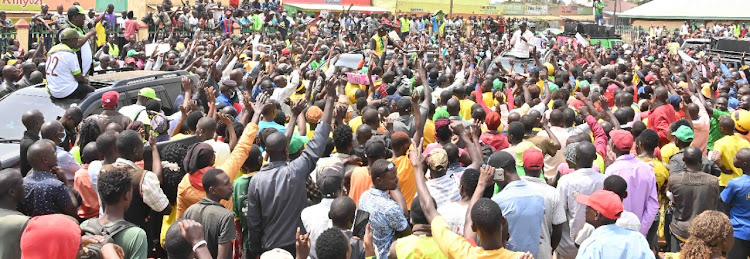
36,5
536,9
568,9
514,8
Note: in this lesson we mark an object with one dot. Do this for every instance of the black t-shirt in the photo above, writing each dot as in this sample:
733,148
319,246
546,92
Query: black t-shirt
335,26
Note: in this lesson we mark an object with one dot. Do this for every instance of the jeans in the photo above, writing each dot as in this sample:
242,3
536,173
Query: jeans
599,19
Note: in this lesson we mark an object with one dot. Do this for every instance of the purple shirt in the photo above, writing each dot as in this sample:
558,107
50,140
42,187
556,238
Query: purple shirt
641,181
111,19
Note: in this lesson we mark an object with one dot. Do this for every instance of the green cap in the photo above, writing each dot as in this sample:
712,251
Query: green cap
553,87
297,142
497,84
148,92
69,34
650,58
440,113
131,53
684,133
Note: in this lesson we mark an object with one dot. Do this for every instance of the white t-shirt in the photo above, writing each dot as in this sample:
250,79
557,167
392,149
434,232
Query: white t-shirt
87,57
455,215
62,65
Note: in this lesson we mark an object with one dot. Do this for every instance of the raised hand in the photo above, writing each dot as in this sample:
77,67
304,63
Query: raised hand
298,107
210,94
187,84
224,119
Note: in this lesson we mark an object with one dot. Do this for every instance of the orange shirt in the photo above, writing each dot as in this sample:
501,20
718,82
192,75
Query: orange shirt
89,199
406,181
359,183
188,195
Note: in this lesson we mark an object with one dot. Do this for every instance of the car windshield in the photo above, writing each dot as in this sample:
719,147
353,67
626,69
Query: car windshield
15,105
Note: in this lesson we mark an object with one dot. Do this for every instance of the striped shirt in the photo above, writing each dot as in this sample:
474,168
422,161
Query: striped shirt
444,189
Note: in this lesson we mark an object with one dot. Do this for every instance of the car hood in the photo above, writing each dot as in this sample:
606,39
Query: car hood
9,154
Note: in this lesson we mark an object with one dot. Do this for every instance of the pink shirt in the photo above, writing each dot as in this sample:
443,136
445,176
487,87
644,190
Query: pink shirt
131,27
700,126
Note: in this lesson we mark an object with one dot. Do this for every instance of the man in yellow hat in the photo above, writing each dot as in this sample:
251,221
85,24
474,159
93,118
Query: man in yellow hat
64,76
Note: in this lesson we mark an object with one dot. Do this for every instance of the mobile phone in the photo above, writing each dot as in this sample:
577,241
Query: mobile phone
361,218
499,174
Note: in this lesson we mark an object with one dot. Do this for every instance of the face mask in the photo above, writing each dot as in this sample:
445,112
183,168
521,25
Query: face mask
65,134
233,94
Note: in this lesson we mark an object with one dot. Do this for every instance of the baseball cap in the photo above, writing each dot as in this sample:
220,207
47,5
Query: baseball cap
533,159
329,180
650,58
622,139
313,114
706,90
148,92
741,120
297,142
276,253
605,202
131,53
51,236
229,83
497,84
375,147
492,120
129,60
650,78
437,159
69,34
110,99
440,113
76,9
675,100
501,160
684,133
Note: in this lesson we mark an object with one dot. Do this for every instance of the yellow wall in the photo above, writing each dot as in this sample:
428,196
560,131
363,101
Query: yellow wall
482,7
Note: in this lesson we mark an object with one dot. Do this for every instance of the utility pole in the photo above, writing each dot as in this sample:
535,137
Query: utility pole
450,11
614,13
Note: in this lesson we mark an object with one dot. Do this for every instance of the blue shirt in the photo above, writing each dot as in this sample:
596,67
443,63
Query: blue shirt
386,217
613,242
524,210
737,193
45,194
223,99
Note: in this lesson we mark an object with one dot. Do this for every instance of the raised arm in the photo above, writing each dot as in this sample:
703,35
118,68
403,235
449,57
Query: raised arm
425,199
486,176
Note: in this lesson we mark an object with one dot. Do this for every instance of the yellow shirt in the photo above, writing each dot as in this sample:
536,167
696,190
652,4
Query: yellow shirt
466,108
405,172
354,123
489,99
667,151
429,133
727,148
661,171
455,246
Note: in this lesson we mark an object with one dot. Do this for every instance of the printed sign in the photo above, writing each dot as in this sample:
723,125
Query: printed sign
568,9
358,79
536,9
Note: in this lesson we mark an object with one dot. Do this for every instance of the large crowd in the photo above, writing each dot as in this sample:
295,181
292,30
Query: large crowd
433,145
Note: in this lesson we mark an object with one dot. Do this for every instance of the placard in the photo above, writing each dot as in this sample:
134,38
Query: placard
160,48
358,79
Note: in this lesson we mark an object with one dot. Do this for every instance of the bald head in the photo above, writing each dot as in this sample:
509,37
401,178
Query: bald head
205,128
32,120
53,130
90,153
10,73
41,155
693,109
692,157
276,146
661,94
586,155
11,186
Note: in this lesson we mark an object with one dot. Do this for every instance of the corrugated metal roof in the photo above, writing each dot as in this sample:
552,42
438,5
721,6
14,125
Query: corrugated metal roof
690,9
337,7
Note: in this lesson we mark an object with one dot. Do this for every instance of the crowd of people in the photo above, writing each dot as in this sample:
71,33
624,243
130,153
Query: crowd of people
443,150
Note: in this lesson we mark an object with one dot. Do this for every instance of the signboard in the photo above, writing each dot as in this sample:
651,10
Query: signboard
514,8
36,5
261,49
417,10
160,48
489,9
536,9
568,9
358,79
333,1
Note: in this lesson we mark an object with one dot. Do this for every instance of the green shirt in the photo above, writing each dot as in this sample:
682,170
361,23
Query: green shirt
239,205
12,224
598,7
713,133
132,240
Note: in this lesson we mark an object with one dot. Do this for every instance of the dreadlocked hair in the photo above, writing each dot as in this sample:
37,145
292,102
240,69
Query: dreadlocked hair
708,233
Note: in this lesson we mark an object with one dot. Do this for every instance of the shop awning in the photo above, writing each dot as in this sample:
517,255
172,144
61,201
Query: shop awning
337,7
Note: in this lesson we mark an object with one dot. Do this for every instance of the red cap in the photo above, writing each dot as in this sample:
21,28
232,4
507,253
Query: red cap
50,236
606,203
582,61
129,60
285,51
110,99
650,78
622,139
492,120
533,159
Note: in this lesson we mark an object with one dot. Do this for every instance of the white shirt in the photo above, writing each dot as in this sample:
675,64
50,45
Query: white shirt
67,162
455,216
315,218
627,220
444,190
521,48
582,181
61,66
134,110
562,134
221,151
554,213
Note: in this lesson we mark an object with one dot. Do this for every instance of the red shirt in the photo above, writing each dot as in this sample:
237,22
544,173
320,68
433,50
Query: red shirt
496,140
660,119
131,27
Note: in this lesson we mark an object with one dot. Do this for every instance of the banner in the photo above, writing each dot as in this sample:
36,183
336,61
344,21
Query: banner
568,9
36,5
489,9
358,79
514,8
536,9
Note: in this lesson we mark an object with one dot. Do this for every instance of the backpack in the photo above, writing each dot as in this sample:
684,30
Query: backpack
93,227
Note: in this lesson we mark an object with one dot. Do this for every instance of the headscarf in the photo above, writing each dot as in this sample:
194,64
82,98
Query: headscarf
199,155
51,236
570,151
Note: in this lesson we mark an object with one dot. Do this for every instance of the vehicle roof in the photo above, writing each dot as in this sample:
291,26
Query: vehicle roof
124,75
